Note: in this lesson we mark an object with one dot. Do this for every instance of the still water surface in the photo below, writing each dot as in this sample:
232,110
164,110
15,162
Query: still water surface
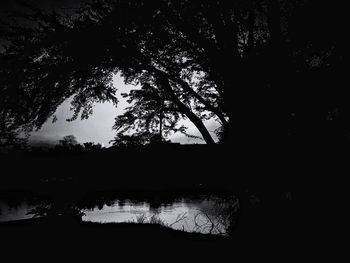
203,214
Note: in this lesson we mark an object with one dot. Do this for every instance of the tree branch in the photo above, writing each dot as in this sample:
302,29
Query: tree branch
165,84
185,86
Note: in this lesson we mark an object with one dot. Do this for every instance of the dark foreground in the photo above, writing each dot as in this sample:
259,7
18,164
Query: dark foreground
66,240
70,240
310,227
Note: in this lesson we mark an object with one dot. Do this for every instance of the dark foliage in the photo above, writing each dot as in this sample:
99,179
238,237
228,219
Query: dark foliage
269,68
272,72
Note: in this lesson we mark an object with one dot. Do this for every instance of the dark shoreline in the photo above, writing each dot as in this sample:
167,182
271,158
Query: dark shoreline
94,239
316,200
33,224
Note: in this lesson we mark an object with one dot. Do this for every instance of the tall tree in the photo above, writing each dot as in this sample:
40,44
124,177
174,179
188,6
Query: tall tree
236,61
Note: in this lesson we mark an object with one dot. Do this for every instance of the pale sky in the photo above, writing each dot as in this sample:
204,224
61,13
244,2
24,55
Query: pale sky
98,128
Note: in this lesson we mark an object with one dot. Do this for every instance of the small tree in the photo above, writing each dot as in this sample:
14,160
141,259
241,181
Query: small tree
90,146
69,140
69,143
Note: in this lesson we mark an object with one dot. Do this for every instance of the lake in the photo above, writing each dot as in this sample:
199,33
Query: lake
204,214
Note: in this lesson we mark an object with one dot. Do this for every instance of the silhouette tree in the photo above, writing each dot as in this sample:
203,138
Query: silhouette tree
69,143
90,146
92,75
151,115
11,137
69,140
126,140
245,63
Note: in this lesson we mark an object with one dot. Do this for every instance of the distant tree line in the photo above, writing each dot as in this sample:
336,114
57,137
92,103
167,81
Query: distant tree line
68,144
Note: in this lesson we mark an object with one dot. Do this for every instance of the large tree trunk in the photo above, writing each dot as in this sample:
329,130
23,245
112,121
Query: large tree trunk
164,82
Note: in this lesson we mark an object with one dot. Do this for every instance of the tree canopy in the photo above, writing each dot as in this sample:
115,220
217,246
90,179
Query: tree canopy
259,67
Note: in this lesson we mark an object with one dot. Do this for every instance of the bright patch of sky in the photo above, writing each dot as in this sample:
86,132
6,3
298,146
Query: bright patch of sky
98,128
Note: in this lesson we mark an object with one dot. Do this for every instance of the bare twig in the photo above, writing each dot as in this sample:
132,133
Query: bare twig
179,218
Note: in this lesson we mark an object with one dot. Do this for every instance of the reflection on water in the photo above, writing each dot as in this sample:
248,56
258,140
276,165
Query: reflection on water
205,215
